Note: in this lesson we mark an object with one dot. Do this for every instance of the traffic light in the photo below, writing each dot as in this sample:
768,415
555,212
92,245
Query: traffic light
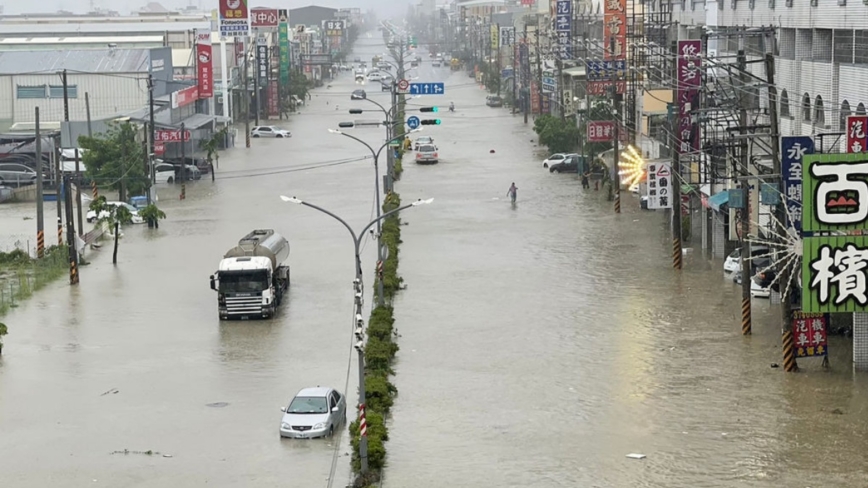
355,110
430,122
346,125
429,109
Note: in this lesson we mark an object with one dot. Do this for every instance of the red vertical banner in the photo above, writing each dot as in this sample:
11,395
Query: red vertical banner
809,334
273,99
857,133
615,29
239,50
534,98
204,63
689,65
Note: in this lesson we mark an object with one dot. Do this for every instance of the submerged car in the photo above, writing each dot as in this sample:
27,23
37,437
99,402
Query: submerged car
427,153
494,101
553,159
570,164
269,131
314,412
733,261
420,141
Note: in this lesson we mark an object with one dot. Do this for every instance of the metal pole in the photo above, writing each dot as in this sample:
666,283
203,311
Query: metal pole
183,162
224,79
57,172
40,201
744,160
392,133
613,177
676,205
256,81
152,135
563,109
363,434
70,235
64,80
87,112
525,89
246,96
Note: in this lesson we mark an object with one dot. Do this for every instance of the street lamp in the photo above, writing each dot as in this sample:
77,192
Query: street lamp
376,156
358,322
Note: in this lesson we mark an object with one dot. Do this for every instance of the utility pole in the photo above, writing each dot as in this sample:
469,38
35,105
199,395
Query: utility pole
246,96
538,67
744,161
616,116
183,174
676,198
563,109
40,201
526,82
152,134
87,112
391,133
785,279
70,235
65,82
57,185
256,81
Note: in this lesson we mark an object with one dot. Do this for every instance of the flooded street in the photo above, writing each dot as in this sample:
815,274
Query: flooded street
540,343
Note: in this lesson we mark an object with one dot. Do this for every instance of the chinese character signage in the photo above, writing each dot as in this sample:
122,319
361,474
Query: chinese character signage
564,28
234,18
204,65
169,135
283,46
602,75
263,18
835,229
273,99
689,81
601,131
495,37
262,60
857,137
333,28
507,36
792,150
809,333
615,29
659,186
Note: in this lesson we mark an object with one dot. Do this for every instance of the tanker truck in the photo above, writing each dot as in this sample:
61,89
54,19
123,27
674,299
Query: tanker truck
251,278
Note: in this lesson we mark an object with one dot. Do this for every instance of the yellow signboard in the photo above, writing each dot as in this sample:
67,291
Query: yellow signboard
494,37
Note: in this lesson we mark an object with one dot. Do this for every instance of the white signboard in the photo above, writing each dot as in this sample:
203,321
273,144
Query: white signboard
659,186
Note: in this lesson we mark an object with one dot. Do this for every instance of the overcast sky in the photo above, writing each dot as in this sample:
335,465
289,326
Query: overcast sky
126,6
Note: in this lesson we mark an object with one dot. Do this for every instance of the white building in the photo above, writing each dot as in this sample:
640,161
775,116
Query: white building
114,79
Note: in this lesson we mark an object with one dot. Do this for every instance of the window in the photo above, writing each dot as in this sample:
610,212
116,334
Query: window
785,104
819,112
860,40
806,108
845,111
55,91
30,91
860,109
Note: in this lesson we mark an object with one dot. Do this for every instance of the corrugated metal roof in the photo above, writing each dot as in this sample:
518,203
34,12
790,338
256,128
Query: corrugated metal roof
86,61
80,40
132,27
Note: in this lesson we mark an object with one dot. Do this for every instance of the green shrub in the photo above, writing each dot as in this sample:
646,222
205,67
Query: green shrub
379,354
381,324
379,392
377,434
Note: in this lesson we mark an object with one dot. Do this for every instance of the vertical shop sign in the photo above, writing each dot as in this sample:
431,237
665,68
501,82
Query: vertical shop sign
234,18
273,99
659,186
495,34
689,78
792,151
809,333
564,28
262,60
615,29
283,45
204,64
507,36
857,133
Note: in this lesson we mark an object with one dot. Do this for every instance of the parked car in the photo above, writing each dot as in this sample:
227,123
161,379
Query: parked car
164,172
553,159
91,216
269,131
191,172
570,164
200,163
358,95
420,141
360,77
760,285
733,261
17,174
494,101
313,412
427,153
374,76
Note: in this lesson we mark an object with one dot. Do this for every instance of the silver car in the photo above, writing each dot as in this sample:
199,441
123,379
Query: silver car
269,131
314,412
427,153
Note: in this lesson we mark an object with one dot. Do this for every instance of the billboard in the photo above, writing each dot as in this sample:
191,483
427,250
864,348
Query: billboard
262,63
615,29
162,70
564,27
204,63
234,18
689,78
283,46
835,230
793,149
263,18
857,133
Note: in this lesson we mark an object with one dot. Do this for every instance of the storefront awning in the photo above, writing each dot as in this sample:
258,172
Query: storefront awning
196,121
718,199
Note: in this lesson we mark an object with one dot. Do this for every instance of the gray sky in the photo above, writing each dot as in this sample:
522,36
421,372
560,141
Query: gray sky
126,6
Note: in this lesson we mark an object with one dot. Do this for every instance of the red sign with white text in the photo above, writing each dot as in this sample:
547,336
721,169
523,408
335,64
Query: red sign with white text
233,9
602,87
809,333
182,98
159,149
204,64
169,135
615,29
857,133
601,131
263,17
273,99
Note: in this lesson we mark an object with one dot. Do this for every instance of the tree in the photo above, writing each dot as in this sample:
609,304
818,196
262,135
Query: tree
212,145
491,78
299,86
558,135
113,216
116,160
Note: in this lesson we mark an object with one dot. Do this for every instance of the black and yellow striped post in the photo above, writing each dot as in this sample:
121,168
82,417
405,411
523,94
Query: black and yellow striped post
617,199
73,271
677,254
94,190
59,231
40,243
183,191
789,347
745,316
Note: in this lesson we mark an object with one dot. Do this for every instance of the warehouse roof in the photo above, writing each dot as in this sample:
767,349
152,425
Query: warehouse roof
55,29
81,60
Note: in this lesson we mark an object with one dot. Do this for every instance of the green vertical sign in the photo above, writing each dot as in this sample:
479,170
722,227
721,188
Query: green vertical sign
283,43
835,233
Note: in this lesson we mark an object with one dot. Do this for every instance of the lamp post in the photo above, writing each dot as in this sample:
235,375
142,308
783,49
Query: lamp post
357,290
376,155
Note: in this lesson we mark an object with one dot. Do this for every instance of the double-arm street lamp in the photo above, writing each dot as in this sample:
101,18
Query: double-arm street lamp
376,155
358,289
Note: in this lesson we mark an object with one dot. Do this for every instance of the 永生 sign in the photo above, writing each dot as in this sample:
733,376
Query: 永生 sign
810,334
234,18
659,186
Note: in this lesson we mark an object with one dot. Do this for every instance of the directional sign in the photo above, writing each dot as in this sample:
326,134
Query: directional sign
427,88
413,122
403,86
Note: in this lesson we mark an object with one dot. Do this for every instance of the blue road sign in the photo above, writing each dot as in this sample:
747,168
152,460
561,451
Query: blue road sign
427,88
413,122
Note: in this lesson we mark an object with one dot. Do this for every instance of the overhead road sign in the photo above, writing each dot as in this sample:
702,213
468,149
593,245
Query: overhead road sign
413,122
427,88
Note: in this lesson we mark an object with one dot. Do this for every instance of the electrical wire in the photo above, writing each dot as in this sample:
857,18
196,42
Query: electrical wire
337,441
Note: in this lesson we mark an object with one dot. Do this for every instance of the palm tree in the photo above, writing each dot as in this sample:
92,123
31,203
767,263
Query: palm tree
113,216
212,146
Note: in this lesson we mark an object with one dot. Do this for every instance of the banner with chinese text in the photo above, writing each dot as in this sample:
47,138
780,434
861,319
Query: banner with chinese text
564,28
659,186
834,274
204,64
792,151
615,29
234,20
262,64
494,32
810,334
283,46
273,99
689,78
507,36
857,133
